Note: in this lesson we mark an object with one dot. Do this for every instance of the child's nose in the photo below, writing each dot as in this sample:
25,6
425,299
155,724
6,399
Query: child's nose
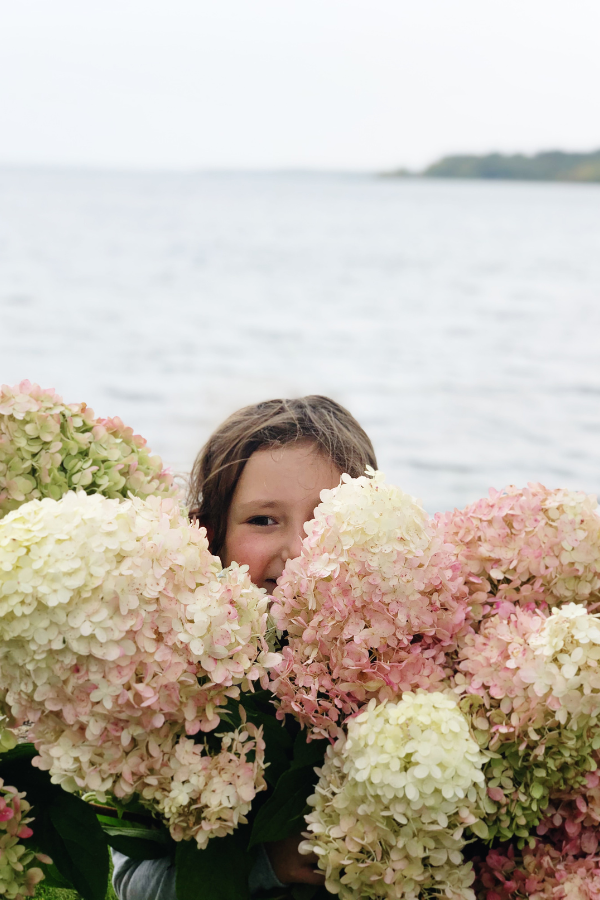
293,544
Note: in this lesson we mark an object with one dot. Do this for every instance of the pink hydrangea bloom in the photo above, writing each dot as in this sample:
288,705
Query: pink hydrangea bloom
532,684
370,607
48,447
119,634
539,873
18,877
527,545
571,822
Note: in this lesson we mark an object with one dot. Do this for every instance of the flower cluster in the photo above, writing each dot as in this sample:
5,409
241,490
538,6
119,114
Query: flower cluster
119,634
533,684
571,823
495,603
48,447
199,791
370,607
530,545
394,798
17,877
540,873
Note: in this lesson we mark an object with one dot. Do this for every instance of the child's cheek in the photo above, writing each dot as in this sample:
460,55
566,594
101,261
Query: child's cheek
251,549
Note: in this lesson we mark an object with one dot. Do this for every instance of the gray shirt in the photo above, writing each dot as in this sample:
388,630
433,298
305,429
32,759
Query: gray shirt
154,879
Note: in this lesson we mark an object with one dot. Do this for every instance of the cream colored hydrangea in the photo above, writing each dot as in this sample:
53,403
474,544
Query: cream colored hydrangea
109,580
419,749
372,513
393,800
567,651
120,634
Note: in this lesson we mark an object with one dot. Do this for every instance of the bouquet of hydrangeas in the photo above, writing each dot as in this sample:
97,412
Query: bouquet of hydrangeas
442,675
489,614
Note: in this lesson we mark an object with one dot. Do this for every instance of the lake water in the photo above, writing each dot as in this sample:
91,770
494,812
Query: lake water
459,321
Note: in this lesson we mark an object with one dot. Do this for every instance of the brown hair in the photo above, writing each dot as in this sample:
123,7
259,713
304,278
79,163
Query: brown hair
220,463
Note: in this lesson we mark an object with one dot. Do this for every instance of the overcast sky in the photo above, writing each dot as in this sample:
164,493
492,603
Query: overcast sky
342,84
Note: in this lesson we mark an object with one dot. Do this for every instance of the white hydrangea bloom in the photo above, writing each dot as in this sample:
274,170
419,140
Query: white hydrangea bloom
419,749
108,580
120,634
566,664
567,630
393,800
371,513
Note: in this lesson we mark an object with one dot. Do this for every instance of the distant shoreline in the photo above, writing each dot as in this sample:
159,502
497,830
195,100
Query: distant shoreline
553,165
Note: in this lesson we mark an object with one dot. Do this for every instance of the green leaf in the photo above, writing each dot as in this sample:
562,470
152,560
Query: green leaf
282,893
278,747
64,826
283,813
310,892
125,808
304,891
21,751
78,846
53,878
480,829
260,711
137,848
308,753
219,872
128,829
137,840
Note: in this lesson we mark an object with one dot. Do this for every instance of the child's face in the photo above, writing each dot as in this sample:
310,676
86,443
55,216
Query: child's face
276,494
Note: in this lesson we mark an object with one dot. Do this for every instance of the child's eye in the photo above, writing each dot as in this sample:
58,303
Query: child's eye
261,520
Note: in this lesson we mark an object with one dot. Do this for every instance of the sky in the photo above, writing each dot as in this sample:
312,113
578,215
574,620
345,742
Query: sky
307,84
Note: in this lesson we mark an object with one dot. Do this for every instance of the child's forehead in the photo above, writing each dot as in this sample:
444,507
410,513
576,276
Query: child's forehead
297,468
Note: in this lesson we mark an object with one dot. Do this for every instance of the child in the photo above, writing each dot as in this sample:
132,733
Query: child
253,486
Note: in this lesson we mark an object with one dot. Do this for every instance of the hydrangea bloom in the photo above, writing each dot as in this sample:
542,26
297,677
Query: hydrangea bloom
119,633
17,877
199,791
48,447
571,823
540,873
369,607
534,685
529,545
393,800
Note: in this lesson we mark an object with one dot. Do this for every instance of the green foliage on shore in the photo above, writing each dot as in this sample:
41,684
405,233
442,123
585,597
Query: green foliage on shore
553,165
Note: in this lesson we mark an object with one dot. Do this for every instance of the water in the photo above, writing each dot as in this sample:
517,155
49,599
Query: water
459,321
